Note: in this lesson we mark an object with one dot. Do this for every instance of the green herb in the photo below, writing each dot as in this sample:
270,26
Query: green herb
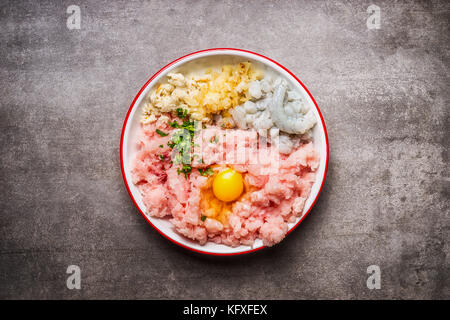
162,157
188,125
171,144
174,124
183,142
203,218
185,169
162,134
181,113
206,172
161,146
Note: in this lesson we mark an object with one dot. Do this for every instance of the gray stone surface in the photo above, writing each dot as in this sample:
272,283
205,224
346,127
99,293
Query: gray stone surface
384,95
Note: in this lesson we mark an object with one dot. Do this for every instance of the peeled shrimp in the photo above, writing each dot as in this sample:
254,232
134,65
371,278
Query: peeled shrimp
286,120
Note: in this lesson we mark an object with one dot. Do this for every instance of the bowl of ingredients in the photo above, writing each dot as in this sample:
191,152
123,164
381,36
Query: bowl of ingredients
224,151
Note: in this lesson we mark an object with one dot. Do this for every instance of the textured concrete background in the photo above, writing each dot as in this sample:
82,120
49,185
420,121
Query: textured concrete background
384,95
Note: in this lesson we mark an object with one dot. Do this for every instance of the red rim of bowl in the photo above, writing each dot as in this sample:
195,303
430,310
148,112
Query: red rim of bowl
131,108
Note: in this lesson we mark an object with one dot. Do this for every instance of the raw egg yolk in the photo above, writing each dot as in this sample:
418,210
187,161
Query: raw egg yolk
228,185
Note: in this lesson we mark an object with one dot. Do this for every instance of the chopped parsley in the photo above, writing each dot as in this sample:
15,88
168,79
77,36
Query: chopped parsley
162,157
206,172
162,134
171,144
183,142
203,218
185,169
161,146
174,124
181,113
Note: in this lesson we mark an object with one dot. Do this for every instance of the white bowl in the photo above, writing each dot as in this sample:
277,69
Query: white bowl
131,129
